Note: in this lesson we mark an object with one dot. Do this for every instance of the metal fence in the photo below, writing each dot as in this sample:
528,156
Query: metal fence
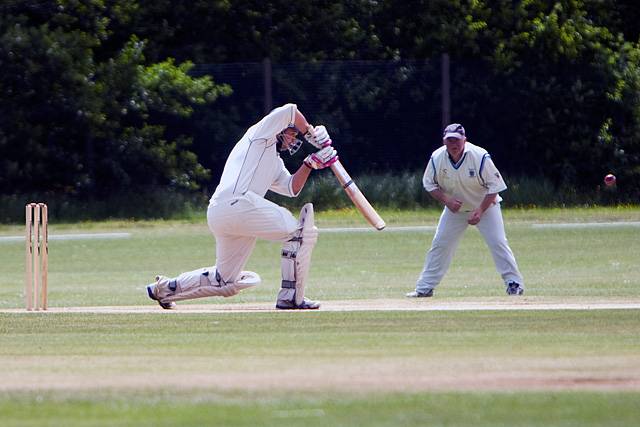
382,115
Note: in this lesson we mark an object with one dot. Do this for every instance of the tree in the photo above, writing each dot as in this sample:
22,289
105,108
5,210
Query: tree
550,87
83,120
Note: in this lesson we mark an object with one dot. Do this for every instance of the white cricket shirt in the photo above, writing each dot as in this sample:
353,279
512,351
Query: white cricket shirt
254,163
469,180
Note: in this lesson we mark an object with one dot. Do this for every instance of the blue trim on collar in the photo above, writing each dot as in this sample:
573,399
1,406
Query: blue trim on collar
456,166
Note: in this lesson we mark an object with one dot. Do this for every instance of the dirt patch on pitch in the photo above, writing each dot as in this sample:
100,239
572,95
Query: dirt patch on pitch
330,373
406,374
406,304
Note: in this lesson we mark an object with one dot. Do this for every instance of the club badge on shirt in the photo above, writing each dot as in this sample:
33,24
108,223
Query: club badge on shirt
472,173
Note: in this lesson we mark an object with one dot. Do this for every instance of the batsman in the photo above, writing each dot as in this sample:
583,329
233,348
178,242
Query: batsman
238,214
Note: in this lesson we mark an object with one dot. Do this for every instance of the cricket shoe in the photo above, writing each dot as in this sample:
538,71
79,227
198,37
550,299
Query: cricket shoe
306,304
151,291
514,288
420,294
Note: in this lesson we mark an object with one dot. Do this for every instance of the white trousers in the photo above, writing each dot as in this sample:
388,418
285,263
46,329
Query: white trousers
448,234
237,224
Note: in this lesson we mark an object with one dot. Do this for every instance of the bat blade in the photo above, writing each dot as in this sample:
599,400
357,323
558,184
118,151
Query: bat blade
357,197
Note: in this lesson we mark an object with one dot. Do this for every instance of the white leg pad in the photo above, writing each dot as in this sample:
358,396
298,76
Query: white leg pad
296,257
201,283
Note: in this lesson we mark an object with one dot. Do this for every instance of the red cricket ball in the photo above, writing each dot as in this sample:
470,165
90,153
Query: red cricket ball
609,180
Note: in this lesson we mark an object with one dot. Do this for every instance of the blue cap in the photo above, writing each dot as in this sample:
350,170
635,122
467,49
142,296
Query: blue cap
454,130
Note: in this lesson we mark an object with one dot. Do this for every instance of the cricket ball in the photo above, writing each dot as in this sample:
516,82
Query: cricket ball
609,180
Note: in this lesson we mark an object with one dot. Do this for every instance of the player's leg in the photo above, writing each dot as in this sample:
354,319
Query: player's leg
491,226
237,227
269,221
296,262
266,220
200,283
224,279
232,254
451,227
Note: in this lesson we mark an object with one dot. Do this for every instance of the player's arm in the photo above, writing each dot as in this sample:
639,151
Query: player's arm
321,159
450,202
301,122
494,184
299,178
278,119
430,184
487,202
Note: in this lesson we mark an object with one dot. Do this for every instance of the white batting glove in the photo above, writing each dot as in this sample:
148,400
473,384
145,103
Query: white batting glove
318,136
322,158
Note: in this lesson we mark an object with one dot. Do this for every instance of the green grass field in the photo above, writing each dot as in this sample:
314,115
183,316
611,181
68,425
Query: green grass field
370,368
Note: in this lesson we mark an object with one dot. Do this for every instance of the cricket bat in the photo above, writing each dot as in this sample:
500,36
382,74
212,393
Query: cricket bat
353,191
357,197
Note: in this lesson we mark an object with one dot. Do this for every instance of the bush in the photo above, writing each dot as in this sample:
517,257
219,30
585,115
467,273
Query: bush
405,191
155,203
323,190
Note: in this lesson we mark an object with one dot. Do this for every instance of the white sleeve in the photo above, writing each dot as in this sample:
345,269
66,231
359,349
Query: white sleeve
276,121
283,182
429,179
491,176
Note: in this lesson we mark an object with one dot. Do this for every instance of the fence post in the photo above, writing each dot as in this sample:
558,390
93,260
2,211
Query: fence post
268,94
446,90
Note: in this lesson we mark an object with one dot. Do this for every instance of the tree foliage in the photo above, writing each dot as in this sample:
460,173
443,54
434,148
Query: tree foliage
550,86
84,117
93,100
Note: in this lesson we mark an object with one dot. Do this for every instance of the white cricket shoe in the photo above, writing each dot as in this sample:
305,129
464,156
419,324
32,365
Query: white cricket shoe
152,292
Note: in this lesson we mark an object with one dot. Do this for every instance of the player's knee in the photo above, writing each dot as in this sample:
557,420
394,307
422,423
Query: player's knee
309,232
229,290
310,236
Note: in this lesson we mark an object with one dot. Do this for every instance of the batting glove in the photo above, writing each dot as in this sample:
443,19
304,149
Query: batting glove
322,158
318,136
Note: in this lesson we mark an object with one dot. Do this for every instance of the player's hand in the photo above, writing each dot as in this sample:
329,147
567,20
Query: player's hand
322,158
453,204
474,217
318,136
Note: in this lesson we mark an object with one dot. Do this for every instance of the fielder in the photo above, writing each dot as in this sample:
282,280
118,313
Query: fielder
238,214
462,176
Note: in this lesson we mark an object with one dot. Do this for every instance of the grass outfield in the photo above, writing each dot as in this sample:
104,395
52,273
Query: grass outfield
370,368
596,262
481,368
375,409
